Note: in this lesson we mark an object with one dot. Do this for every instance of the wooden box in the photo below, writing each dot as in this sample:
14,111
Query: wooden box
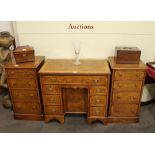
24,54
127,55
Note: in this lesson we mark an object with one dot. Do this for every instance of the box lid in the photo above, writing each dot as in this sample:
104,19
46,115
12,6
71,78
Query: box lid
127,49
25,48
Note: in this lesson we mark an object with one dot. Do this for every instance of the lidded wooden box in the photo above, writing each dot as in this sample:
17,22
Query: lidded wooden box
127,55
24,54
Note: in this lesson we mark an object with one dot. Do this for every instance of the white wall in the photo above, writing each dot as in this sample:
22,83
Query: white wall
5,26
55,40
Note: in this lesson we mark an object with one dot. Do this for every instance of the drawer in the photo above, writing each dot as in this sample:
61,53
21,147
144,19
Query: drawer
74,80
52,99
129,75
51,89
126,97
126,85
20,73
24,95
97,111
98,100
53,110
22,83
98,90
124,110
24,108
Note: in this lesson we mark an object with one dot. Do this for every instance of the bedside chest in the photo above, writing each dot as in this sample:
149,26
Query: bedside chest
75,89
126,90
24,89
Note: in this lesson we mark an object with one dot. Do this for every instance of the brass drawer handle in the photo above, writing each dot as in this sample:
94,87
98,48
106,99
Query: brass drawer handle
136,85
52,100
24,55
53,110
13,83
118,97
50,88
96,80
29,83
120,74
133,97
31,95
97,112
97,100
98,90
53,79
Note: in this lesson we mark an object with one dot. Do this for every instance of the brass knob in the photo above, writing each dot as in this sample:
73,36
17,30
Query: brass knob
31,95
96,80
24,55
120,74
53,110
52,100
97,100
133,97
53,79
98,89
118,97
97,112
13,83
29,83
50,88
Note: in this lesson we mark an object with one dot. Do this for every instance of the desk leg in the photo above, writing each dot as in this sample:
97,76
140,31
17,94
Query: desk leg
51,117
92,119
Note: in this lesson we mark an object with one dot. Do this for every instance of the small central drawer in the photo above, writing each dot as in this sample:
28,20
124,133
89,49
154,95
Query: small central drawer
98,90
53,110
126,97
129,75
97,111
24,95
98,100
52,99
51,89
22,83
93,80
127,85
20,73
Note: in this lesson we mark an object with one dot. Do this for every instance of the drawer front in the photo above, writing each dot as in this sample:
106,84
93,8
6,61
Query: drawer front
126,97
24,57
129,75
21,73
52,99
24,108
98,100
98,90
51,89
97,111
24,95
22,83
124,109
127,85
53,110
74,80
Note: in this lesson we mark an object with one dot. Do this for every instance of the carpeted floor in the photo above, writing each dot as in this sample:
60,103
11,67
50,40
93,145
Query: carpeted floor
76,124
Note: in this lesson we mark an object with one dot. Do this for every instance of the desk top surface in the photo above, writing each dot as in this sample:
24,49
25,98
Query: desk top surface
35,64
67,66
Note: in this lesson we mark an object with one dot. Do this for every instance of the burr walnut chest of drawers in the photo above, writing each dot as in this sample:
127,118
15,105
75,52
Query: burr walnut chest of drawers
126,89
75,89
23,83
